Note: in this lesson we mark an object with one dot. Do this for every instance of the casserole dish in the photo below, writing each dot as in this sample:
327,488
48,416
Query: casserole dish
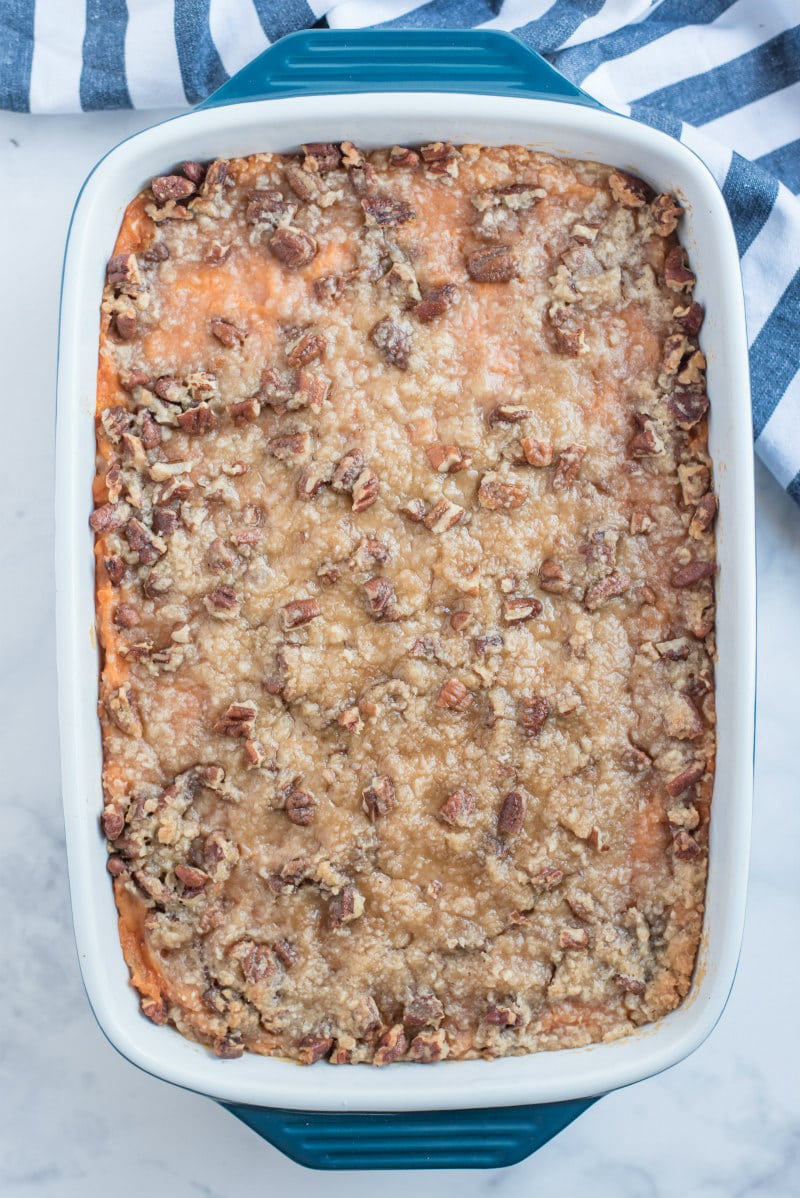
420,87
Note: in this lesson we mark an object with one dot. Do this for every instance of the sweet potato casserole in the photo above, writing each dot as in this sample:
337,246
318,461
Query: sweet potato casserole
405,599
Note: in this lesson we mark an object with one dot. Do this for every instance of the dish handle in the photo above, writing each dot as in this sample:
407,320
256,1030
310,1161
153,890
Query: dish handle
328,61
468,1139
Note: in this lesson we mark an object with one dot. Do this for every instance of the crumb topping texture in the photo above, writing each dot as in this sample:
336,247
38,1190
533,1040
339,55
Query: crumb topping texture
405,598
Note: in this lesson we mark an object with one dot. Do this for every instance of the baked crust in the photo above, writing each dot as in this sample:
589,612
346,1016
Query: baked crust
405,599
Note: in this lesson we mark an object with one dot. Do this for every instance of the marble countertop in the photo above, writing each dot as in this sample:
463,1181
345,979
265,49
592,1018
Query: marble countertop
78,1120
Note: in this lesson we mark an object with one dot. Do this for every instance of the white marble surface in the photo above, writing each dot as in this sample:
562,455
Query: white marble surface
78,1120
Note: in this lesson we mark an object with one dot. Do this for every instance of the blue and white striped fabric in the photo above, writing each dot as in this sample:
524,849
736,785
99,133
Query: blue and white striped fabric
722,75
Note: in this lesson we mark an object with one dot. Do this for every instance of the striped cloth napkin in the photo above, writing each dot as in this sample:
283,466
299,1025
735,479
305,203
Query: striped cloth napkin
721,75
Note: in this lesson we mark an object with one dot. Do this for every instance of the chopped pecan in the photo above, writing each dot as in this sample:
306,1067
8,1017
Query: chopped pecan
301,807
457,809
300,611
677,275
500,1015
447,459
629,190
686,778
491,642
646,441
703,516
692,573
507,413
513,810
522,608
304,183
199,419
567,466
379,797
424,1010
695,479
440,158
685,847
322,156
415,510
310,347
267,207
171,187
400,156
108,517
116,866
193,879
194,171
227,1047
293,247
495,264
351,719
154,1009
143,542
384,211
126,616
352,158
112,822
365,490
454,695
115,421
573,938
427,1047
151,433
393,341
552,577
227,332
459,619
442,516
328,287
115,569
640,523
345,906
677,649
496,494
256,961
222,599
424,647
219,557
533,714
313,478
665,212
289,446
436,303
380,597
548,878
311,390
313,1048
688,406
122,273
611,587
689,318
286,953
391,1046
126,325
238,720
348,470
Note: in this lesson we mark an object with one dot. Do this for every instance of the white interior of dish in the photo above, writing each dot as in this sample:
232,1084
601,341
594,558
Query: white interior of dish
380,120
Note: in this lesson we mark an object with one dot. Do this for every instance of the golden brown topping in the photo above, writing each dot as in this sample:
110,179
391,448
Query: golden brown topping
568,466
611,587
628,190
442,516
514,808
454,695
293,247
226,332
495,264
447,459
496,494
393,341
692,573
457,809
300,611
379,797
703,517
301,807
533,713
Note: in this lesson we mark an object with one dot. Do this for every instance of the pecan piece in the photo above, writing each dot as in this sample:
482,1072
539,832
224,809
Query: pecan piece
310,347
288,446
256,961
400,156
345,906
507,413
143,542
677,275
646,441
424,1010
227,1047
690,318
108,518
171,187
313,1048
492,642
115,569
552,577
222,599
692,573
293,247
665,212
286,953
365,490
496,494
435,303
459,619
688,406
533,715
415,510
199,419
301,807
266,207
304,183
703,516
219,557
391,1046
500,1015
300,611
694,479
154,1009
442,516
457,809
427,1047
122,273
226,331
523,608
311,390
495,264
629,190
322,156
151,433
193,879
348,470
548,878
385,212
447,459
126,616
125,325
685,847
380,597
686,778
313,478
568,466
454,695
238,720
611,587
393,341
511,817
112,822
573,939
379,797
